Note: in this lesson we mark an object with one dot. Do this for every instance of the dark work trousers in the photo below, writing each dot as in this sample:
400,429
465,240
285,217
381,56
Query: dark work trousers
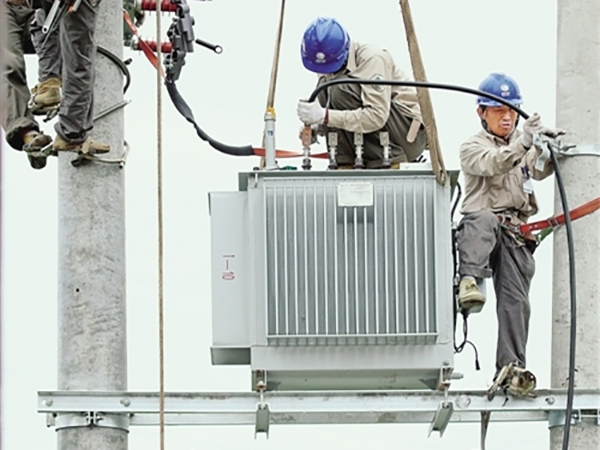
348,97
18,117
47,47
486,249
78,50
22,37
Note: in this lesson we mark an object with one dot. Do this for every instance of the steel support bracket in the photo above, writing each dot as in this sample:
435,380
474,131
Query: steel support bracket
558,418
62,421
263,419
263,413
441,418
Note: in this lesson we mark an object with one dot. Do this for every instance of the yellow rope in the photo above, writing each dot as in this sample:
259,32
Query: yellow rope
161,343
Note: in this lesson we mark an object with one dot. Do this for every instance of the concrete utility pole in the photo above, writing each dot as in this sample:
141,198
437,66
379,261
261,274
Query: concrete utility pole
91,286
578,112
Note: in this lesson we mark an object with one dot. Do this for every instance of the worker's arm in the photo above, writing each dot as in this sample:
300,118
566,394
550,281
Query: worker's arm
482,158
376,101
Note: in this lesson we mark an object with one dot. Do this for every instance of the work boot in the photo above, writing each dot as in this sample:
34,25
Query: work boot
33,142
469,296
45,96
88,146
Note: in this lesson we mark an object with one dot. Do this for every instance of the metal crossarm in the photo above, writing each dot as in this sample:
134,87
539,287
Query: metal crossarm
303,408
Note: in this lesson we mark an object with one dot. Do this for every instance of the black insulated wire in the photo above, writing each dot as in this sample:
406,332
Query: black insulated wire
418,84
183,108
119,63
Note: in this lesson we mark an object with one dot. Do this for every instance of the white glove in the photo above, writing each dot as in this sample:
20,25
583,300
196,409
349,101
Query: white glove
310,113
531,126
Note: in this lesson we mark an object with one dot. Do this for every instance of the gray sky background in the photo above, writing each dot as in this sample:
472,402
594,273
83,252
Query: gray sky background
461,42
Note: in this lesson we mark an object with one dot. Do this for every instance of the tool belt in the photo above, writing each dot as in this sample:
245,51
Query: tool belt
528,239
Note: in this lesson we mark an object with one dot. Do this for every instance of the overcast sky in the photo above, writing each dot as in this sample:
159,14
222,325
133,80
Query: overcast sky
461,42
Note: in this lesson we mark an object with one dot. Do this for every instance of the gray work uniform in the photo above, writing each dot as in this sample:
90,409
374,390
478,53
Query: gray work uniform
496,183
371,109
78,50
19,41
47,47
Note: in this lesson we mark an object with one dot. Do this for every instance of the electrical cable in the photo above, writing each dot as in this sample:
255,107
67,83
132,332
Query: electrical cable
120,64
460,347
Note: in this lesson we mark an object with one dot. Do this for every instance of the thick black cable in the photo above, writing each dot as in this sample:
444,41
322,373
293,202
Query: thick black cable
183,108
120,64
419,84
573,292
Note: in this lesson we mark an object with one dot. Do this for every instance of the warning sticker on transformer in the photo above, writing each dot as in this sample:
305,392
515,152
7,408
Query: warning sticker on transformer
354,194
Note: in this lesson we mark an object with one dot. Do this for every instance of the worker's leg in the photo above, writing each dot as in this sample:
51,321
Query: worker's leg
398,126
477,236
78,51
513,267
47,47
349,97
18,118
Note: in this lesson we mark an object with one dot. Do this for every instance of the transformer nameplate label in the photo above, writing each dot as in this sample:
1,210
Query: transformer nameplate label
355,194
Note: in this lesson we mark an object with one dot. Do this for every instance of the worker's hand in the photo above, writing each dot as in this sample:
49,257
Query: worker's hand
310,113
314,137
531,126
551,132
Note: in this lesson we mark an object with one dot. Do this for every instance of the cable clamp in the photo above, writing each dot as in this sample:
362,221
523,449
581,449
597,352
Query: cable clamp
61,421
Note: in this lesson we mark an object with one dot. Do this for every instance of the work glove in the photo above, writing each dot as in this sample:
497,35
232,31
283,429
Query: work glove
531,126
551,132
311,113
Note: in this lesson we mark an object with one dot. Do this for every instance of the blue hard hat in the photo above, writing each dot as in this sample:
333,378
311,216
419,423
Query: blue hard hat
325,46
502,86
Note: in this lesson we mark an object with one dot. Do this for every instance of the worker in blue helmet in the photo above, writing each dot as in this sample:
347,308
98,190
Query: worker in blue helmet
499,164
351,108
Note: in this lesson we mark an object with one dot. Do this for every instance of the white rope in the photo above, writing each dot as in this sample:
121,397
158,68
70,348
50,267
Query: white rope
161,343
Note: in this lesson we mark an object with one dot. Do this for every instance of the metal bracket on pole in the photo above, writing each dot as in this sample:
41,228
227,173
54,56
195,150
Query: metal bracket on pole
83,158
88,419
558,418
547,144
305,408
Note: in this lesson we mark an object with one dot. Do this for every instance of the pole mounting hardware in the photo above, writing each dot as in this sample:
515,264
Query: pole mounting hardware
62,421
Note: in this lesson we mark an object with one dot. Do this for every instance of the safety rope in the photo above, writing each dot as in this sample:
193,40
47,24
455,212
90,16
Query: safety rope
161,321
437,161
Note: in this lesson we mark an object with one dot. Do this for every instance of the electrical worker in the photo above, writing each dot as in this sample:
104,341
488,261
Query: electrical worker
352,108
25,36
498,164
78,52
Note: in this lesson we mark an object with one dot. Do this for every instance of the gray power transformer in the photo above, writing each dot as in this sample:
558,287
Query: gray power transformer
334,280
